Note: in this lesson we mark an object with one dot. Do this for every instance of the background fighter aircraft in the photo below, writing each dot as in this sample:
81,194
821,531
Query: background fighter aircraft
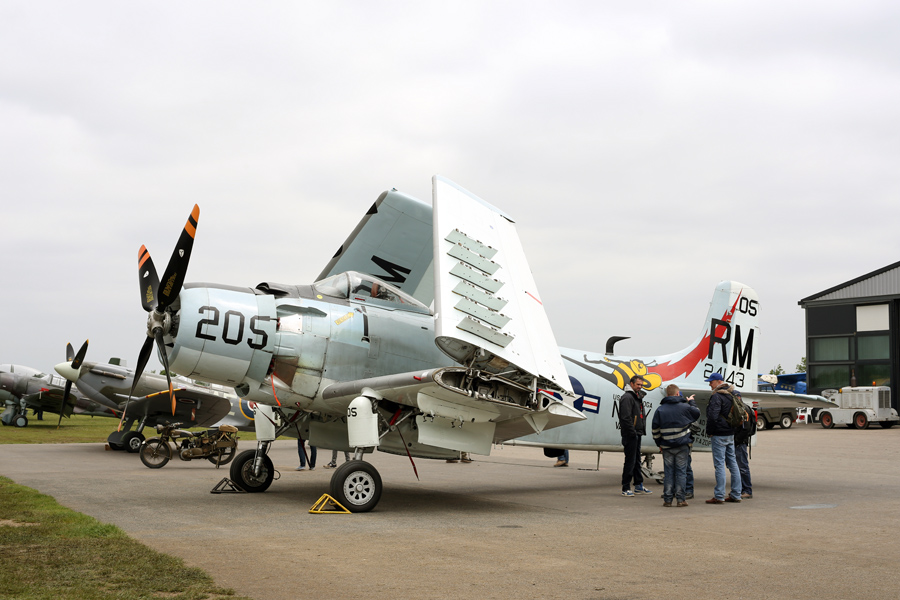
23,388
355,363
109,384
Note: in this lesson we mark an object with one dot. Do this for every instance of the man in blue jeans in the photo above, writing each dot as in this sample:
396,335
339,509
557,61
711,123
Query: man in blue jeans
672,433
721,436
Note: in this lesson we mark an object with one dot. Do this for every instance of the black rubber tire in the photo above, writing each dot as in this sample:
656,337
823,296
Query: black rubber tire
860,420
132,441
242,472
356,485
20,421
826,420
786,421
886,424
155,453
224,456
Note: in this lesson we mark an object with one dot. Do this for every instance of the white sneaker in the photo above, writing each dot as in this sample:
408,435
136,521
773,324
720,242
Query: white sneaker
300,469
628,493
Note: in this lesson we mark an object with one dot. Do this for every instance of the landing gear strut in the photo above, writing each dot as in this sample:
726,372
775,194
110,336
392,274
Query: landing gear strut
648,472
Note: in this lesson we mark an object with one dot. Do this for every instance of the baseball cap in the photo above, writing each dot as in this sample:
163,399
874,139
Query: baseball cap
714,377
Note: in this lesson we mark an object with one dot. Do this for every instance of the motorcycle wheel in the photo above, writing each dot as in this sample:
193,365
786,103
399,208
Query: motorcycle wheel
155,453
224,456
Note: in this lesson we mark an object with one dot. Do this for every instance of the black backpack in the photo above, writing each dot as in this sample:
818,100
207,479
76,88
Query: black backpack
746,430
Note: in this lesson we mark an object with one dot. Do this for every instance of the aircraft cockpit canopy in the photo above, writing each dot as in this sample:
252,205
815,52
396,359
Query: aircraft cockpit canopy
360,287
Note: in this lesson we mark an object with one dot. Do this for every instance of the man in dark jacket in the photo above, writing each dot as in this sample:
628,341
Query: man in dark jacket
633,424
721,437
672,433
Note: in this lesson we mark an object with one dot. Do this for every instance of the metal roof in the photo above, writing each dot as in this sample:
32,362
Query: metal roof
881,282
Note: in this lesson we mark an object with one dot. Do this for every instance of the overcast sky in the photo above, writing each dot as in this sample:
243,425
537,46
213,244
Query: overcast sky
647,152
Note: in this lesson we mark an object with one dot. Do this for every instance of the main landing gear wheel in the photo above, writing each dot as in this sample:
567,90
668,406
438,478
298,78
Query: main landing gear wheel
826,420
155,453
132,441
356,485
20,421
224,456
860,420
786,421
242,472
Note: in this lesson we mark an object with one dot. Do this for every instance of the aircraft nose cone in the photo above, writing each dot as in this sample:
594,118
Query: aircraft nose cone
65,370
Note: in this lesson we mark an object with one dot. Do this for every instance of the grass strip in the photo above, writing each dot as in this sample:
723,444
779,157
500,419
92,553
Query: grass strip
73,430
49,552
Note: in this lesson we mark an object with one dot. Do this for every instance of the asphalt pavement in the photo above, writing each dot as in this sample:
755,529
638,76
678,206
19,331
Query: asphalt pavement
822,523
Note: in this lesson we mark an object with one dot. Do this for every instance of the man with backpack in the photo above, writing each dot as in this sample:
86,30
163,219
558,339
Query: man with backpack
742,435
721,435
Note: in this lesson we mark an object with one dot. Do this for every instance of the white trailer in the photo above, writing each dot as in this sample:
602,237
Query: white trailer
859,406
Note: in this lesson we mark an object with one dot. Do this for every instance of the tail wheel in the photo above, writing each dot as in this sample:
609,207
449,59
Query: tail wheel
826,420
860,420
242,472
155,453
356,485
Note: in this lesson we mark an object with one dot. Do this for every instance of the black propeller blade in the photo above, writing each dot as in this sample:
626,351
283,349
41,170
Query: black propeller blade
173,277
76,364
148,279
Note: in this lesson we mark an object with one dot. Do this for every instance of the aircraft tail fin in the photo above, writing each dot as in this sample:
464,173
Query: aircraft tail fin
726,344
391,242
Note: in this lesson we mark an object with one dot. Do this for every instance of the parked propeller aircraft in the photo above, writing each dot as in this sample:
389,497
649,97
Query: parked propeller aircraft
108,385
23,388
358,361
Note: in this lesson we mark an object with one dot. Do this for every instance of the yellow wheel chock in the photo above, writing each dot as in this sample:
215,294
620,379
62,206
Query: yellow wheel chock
326,505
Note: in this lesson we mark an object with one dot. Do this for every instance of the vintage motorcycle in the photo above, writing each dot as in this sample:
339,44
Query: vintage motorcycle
218,446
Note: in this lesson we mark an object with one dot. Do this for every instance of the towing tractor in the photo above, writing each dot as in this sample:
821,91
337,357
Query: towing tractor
859,406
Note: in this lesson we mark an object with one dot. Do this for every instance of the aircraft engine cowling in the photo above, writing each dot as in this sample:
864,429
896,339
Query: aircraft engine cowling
225,335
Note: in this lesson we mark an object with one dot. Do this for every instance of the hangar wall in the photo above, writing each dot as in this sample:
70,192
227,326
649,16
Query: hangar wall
853,333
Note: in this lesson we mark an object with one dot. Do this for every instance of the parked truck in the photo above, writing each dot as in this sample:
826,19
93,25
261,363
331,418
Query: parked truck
858,407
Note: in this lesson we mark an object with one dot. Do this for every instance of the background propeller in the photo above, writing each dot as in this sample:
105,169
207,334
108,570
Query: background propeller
71,371
157,295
